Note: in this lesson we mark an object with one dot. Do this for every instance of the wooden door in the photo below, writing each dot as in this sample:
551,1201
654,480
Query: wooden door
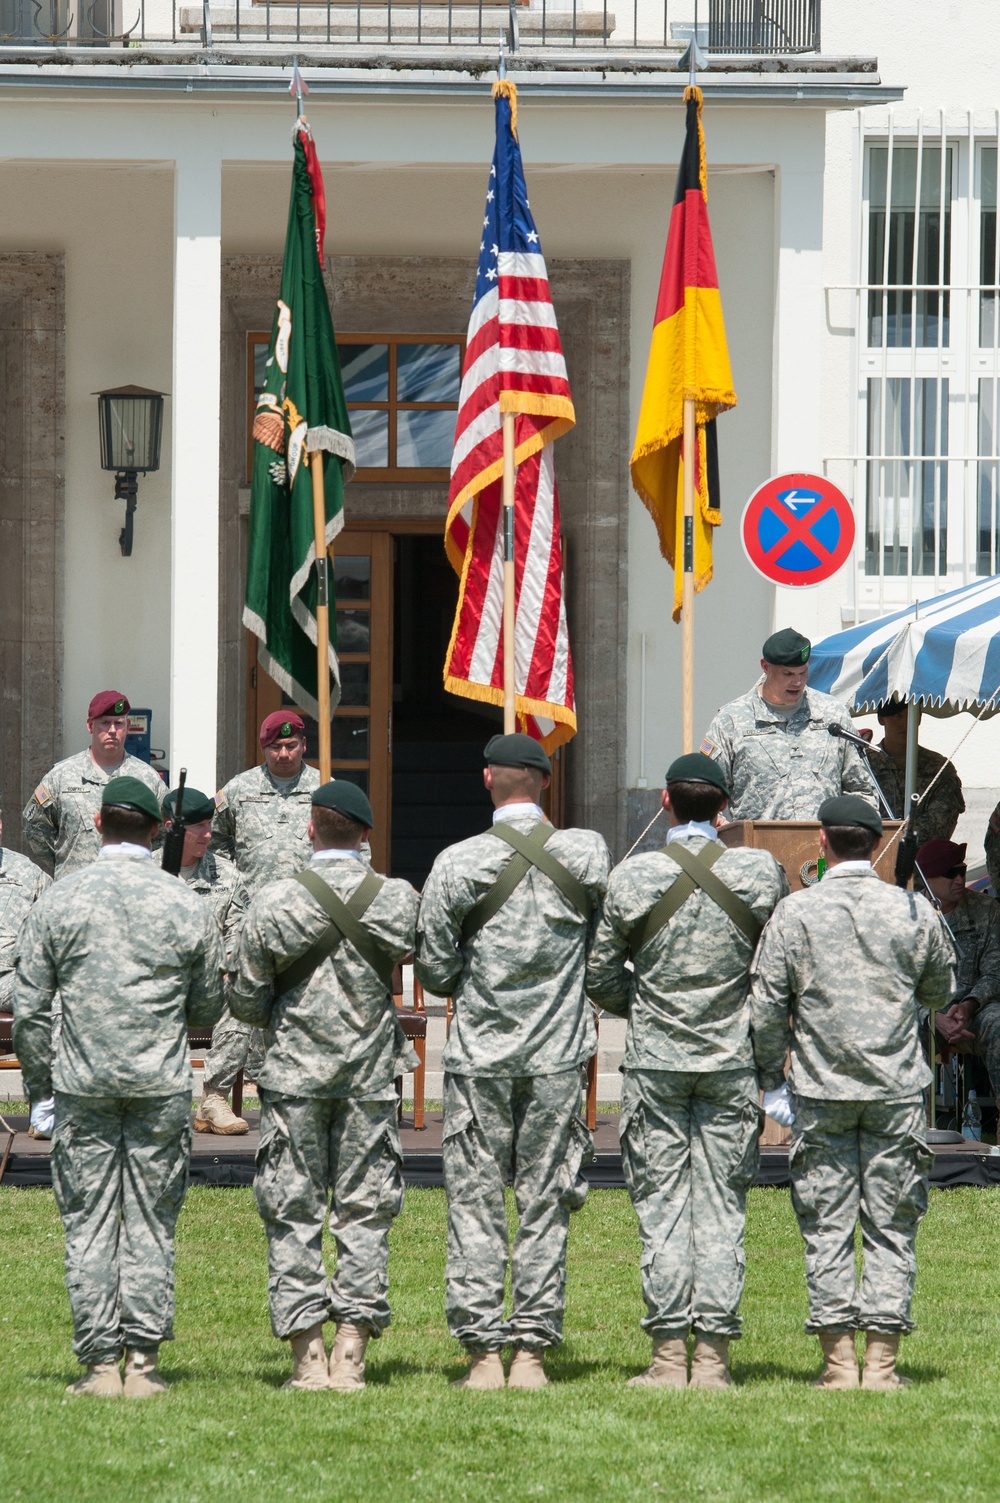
361,731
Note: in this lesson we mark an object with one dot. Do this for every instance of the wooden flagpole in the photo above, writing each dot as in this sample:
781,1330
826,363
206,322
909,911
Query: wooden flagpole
509,485
322,614
687,584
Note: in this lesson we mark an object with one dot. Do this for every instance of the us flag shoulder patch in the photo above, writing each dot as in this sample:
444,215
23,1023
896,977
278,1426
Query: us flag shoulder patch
42,796
708,748
220,800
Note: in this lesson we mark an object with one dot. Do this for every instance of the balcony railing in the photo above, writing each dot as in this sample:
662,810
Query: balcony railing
734,26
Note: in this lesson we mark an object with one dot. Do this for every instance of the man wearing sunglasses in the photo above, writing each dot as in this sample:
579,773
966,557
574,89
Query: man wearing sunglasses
973,1018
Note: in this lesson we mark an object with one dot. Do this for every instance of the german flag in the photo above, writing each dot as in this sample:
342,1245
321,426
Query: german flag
688,358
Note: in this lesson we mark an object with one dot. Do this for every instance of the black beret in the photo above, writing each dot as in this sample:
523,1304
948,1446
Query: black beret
347,798
786,649
197,806
890,708
849,809
697,768
517,750
131,793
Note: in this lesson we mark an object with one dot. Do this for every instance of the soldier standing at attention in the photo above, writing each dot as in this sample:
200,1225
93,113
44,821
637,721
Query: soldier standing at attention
21,885
262,815
136,958
235,1046
59,817
841,973
506,934
689,1118
938,815
774,746
314,967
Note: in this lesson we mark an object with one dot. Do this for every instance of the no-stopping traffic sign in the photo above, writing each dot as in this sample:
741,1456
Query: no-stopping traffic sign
798,529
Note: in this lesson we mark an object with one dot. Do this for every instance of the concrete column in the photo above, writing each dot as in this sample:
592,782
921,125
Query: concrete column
194,513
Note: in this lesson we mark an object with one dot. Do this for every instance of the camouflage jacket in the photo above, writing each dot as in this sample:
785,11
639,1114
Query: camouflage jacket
852,960
216,879
517,985
937,818
136,959
783,767
59,816
335,1034
687,996
975,927
262,827
21,884
992,846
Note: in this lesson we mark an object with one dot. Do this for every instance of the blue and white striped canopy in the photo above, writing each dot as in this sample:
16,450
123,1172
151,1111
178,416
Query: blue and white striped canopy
942,654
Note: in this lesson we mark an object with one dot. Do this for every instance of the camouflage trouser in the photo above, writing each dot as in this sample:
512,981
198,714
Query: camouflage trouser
236,1046
867,1161
312,1148
119,1170
986,1027
689,1153
526,1132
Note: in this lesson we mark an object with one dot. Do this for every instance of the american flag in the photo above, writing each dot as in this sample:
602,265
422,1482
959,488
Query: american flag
513,363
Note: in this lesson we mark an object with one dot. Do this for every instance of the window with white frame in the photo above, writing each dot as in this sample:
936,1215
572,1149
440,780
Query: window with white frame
926,475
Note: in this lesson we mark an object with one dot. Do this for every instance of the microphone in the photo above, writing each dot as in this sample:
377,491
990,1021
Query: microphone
845,735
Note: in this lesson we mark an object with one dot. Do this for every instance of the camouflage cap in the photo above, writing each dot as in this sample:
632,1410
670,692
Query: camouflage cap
786,649
517,750
695,767
197,806
108,702
347,798
278,725
849,809
131,793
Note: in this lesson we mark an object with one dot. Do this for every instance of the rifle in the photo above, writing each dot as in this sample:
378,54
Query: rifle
173,841
906,856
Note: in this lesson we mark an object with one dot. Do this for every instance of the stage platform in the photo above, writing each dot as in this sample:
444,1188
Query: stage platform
230,1161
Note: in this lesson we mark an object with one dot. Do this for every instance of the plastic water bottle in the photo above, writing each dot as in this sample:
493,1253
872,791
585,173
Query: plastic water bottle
972,1121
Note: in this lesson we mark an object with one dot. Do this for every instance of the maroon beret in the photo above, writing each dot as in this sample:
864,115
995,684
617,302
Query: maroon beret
935,857
281,723
108,702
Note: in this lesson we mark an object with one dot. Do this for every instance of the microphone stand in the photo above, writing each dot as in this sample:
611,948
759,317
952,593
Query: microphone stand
866,748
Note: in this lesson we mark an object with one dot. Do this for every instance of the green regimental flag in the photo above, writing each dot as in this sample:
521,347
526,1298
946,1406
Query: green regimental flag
301,419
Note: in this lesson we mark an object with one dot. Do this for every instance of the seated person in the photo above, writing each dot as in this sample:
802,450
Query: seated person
973,1017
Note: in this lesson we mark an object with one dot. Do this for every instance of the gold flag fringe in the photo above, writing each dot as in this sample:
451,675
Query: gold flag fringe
504,89
693,92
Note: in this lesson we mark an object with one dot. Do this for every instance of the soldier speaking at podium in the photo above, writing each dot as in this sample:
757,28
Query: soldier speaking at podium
775,744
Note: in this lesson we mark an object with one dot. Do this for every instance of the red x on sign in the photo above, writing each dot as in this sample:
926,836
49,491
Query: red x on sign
798,529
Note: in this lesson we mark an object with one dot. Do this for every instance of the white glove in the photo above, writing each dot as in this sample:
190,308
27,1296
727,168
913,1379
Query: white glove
778,1106
43,1116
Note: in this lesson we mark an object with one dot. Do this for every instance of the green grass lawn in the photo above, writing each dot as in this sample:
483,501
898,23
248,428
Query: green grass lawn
227,1432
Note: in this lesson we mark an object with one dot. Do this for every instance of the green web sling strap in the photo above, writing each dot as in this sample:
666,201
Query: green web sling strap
529,851
697,872
344,924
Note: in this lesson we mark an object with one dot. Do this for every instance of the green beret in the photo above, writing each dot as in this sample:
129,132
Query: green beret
347,798
517,750
848,809
786,649
697,768
197,806
131,793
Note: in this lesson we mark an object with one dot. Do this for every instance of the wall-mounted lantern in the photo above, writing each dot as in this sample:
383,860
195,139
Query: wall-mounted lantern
131,422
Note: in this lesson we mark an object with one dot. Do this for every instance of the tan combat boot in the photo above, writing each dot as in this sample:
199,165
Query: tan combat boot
526,1370
710,1363
142,1381
485,1371
880,1362
214,1115
347,1360
669,1367
100,1381
310,1359
840,1361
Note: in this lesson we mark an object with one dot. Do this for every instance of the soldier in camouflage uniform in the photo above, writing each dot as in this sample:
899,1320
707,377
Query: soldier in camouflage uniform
59,816
689,1117
235,1045
852,960
328,1103
262,815
22,883
972,1018
992,846
938,815
136,959
522,1028
774,745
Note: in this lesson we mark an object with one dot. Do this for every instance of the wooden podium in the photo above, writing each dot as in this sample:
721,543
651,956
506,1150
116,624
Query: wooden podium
794,844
